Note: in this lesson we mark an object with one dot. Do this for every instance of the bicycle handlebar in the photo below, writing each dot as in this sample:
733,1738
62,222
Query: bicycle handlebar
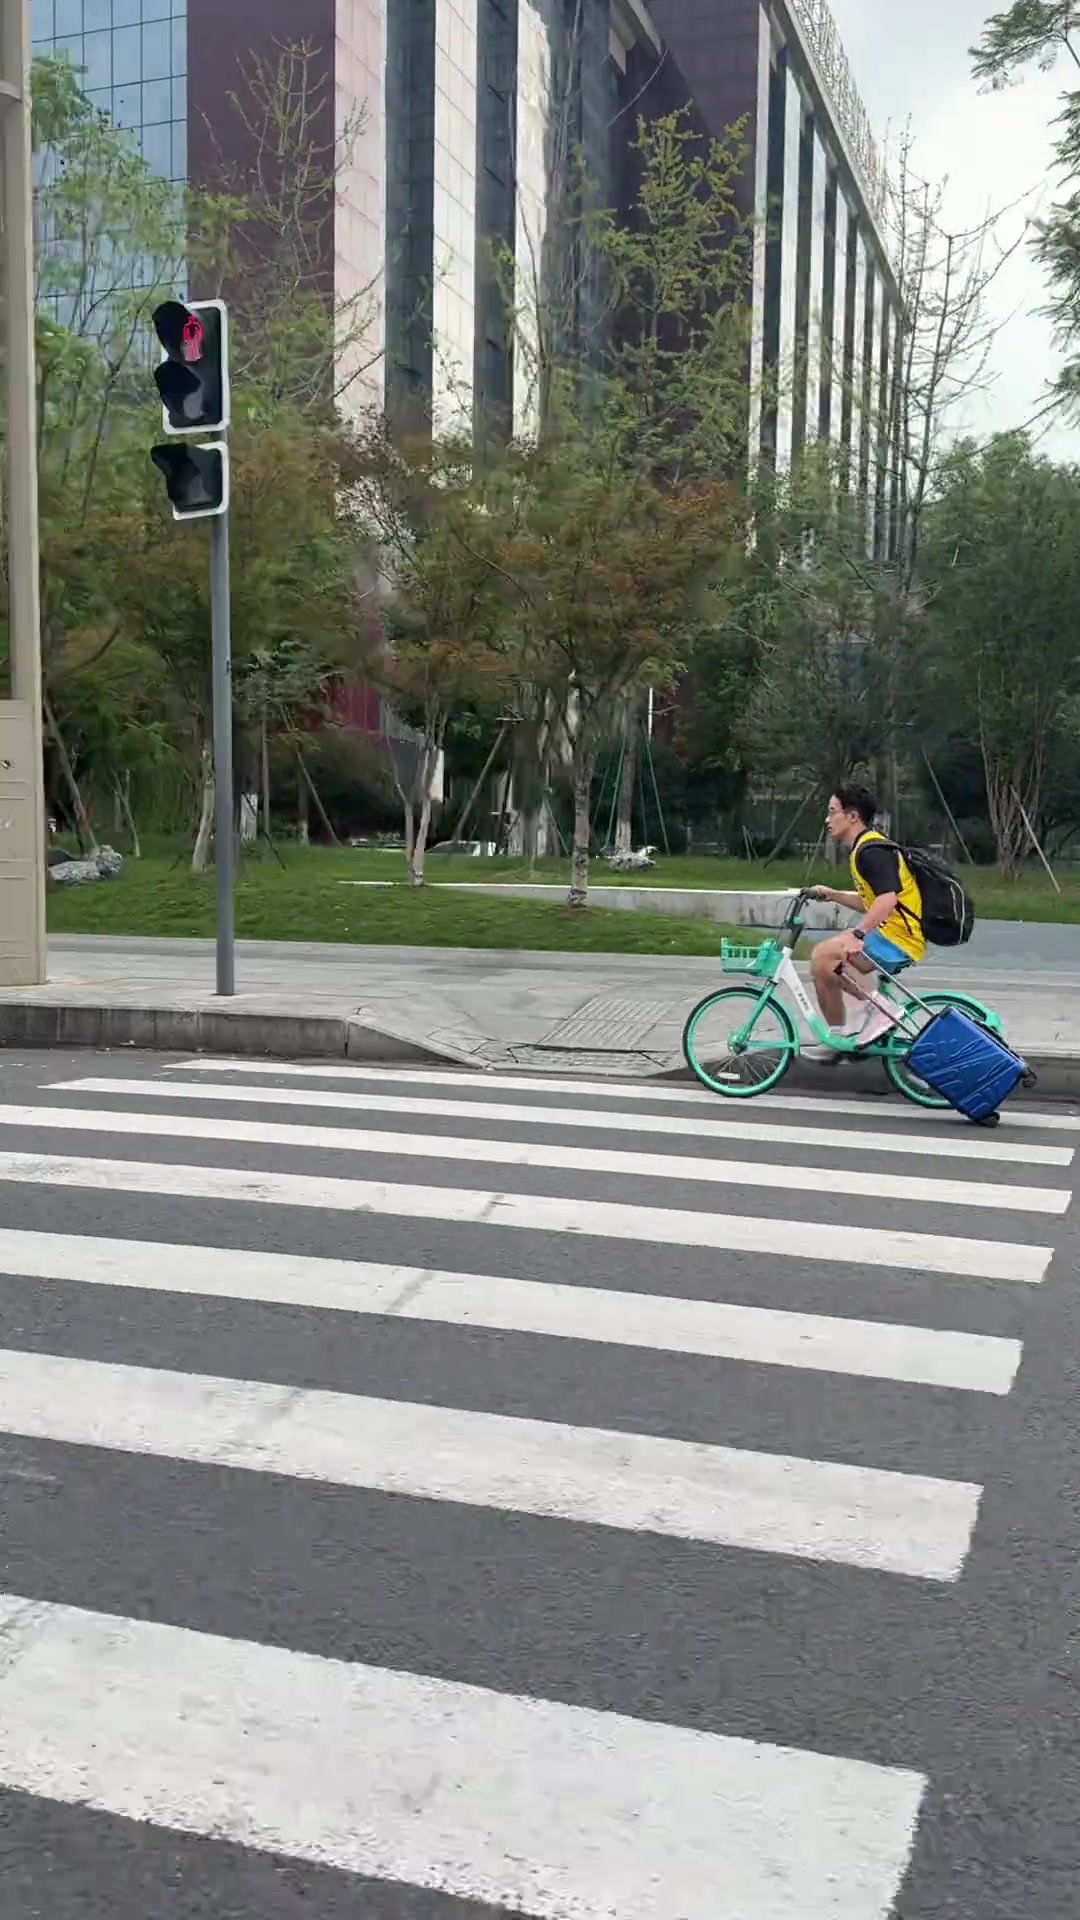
791,917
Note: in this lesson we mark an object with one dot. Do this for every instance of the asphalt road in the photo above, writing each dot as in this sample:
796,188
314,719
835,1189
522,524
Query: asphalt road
431,1497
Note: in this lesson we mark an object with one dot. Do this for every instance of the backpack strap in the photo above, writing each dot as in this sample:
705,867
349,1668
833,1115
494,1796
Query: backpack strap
894,846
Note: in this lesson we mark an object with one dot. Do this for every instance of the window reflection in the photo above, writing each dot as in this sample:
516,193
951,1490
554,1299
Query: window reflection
133,56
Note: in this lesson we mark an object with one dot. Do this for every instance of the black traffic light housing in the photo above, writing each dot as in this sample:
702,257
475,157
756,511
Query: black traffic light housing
196,478
193,377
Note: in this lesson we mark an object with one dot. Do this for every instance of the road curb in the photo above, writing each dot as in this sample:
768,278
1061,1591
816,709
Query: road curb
364,1037
38,1023
1058,1078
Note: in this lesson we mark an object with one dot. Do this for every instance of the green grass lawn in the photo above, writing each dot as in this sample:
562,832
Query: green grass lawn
153,897
304,901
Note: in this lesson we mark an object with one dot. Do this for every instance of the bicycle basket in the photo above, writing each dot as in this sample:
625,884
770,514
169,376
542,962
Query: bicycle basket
738,959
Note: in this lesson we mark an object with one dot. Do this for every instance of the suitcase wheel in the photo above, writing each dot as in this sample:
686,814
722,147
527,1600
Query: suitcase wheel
1030,1080
989,1120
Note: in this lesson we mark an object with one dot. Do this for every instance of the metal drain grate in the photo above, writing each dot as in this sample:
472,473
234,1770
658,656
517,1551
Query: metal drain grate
576,1061
613,1026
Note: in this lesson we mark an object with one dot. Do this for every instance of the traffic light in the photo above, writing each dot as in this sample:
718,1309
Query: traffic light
196,478
193,377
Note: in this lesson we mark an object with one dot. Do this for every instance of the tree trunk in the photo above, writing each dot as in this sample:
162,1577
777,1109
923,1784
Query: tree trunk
84,831
417,830
1006,824
303,807
264,768
579,853
410,840
420,844
530,785
123,805
200,858
624,817
308,782
530,836
467,809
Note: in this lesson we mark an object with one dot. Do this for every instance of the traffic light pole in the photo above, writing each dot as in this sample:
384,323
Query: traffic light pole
192,378
221,648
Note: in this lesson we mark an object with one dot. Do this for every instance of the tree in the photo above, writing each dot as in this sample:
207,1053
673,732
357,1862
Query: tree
1002,571
110,243
606,575
295,611
819,615
944,276
438,645
263,235
113,240
1042,33
631,339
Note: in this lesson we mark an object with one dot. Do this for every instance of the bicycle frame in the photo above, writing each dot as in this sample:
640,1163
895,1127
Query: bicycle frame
783,976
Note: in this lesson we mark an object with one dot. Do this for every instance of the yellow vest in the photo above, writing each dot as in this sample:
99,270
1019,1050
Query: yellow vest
904,925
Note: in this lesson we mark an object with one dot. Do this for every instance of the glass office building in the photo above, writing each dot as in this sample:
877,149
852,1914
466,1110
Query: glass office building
134,56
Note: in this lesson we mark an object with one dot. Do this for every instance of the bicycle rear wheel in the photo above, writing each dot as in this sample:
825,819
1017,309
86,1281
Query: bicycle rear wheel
739,1045
903,1078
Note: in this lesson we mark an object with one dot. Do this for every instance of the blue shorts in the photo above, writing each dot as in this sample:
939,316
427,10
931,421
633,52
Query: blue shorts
885,953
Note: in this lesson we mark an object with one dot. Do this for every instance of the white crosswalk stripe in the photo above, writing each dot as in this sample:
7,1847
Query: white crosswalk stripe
571,1376
977,1362
548,1809
645,1093
540,1213
842,1140
912,1188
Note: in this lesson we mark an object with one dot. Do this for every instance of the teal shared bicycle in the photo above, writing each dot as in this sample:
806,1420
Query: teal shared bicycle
741,1041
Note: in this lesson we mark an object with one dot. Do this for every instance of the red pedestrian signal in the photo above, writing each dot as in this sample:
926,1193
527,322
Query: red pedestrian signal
193,377
191,338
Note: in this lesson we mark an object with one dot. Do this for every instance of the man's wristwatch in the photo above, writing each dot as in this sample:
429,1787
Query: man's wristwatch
858,933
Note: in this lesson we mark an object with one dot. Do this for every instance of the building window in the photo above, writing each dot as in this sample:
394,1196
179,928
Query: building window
774,255
133,60
828,310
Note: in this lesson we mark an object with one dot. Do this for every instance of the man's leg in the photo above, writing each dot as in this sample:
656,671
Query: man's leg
831,998
881,1015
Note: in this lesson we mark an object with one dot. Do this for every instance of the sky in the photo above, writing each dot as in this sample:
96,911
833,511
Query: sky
911,64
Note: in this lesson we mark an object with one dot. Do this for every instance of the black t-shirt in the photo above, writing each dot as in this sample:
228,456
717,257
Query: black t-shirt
879,866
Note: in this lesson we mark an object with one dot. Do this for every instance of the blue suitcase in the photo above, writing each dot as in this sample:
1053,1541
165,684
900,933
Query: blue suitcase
969,1066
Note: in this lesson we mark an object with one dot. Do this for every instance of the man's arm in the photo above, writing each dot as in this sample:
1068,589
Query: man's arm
837,899
877,914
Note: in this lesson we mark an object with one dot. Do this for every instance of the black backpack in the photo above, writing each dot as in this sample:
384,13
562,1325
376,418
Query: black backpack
948,911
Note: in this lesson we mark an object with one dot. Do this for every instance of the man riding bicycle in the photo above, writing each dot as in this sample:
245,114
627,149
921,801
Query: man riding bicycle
889,935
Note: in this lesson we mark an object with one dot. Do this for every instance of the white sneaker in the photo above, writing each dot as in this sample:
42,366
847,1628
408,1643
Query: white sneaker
879,1022
830,1056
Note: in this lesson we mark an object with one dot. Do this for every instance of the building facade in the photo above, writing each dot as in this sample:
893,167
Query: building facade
134,56
455,122
826,325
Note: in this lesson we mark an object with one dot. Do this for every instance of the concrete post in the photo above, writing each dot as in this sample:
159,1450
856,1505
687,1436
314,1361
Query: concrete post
22,805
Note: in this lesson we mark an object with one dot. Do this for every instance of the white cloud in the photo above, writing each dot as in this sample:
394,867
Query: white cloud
912,62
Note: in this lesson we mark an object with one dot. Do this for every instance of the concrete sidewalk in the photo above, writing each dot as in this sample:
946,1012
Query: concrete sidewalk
593,1013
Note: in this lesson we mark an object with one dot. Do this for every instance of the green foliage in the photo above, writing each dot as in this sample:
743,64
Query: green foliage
124,591
1042,33
824,627
1002,575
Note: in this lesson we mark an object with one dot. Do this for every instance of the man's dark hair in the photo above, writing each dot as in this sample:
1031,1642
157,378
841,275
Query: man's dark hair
855,798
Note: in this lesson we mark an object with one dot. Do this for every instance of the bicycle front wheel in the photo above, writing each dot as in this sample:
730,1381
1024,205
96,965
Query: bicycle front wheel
738,1044
903,1077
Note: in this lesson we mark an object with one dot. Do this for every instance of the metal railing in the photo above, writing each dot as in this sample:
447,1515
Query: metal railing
827,51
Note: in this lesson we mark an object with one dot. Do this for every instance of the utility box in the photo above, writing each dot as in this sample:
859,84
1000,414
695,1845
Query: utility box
22,851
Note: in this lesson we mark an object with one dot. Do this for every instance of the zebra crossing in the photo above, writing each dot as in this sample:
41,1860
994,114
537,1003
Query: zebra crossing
526,1492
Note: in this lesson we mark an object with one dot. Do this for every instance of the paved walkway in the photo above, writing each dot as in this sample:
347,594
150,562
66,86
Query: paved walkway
592,1012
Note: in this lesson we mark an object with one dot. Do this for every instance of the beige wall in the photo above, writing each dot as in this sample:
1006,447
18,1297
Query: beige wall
359,223
454,211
